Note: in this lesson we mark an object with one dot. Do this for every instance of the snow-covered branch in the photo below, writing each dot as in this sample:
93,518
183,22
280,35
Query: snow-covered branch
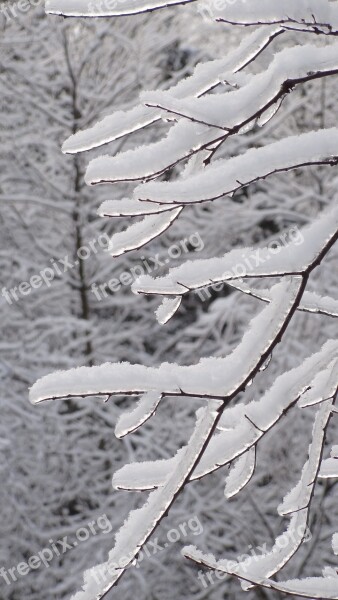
229,374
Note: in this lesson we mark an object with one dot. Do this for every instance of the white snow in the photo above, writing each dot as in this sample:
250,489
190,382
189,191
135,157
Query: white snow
241,473
140,233
145,408
168,309
127,207
300,496
324,386
335,543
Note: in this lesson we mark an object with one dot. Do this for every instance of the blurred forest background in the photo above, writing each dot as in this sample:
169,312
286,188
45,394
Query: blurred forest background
58,76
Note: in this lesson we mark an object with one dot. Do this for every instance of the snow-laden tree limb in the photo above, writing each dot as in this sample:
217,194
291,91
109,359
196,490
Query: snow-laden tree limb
323,386
97,8
311,301
139,234
329,466
147,162
234,110
253,103
241,473
318,16
297,503
205,77
323,588
224,177
131,421
128,207
206,125
141,522
167,309
209,378
242,426
293,258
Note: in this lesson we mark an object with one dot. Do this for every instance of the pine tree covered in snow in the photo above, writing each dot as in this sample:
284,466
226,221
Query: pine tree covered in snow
236,139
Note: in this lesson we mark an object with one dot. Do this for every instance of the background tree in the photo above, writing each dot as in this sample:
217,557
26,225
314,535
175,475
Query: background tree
48,221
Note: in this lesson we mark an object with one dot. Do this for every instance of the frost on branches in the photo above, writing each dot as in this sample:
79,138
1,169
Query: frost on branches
221,102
